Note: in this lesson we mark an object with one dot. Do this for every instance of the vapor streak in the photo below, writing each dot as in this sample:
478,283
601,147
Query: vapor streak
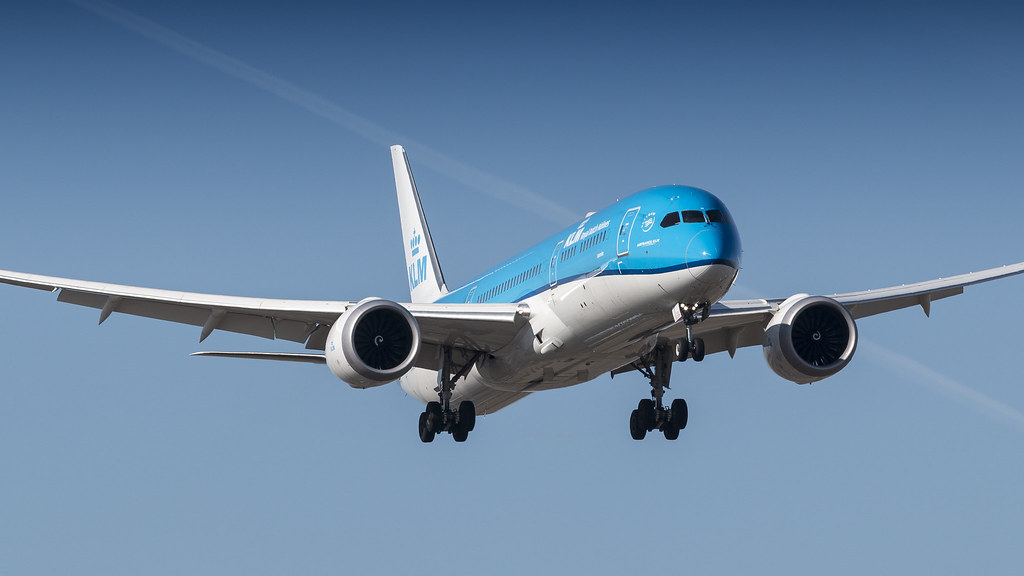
477,179
945,385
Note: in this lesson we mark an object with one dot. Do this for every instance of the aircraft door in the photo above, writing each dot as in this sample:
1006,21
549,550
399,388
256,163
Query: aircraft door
553,268
626,230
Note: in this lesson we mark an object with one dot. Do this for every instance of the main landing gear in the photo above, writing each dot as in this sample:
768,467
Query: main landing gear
439,417
651,414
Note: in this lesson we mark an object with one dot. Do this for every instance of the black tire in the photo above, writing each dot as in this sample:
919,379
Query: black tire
698,349
426,435
671,432
680,414
467,416
645,413
682,350
435,417
460,435
637,431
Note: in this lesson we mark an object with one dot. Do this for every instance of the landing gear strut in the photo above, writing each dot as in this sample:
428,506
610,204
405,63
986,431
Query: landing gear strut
439,416
651,414
691,347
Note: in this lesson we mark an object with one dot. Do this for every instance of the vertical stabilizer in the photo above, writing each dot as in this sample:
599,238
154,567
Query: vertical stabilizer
426,283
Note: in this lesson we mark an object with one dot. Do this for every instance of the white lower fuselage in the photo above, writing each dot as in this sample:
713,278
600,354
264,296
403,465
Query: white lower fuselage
578,331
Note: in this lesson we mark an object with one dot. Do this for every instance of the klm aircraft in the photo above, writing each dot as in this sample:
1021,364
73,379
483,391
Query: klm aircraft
636,286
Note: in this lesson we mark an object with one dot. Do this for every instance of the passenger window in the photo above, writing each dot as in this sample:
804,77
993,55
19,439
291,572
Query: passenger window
693,217
670,219
716,216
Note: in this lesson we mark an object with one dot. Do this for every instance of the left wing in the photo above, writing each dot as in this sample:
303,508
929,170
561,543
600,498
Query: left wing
481,327
740,323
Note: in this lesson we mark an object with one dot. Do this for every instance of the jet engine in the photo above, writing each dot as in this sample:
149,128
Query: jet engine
373,343
810,338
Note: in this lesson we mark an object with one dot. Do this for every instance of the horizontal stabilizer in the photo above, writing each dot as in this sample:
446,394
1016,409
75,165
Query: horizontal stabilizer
279,356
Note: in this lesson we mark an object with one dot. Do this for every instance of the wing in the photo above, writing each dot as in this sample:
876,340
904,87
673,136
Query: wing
740,323
482,327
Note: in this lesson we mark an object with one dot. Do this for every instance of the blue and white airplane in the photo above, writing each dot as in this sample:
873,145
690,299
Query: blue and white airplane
636,286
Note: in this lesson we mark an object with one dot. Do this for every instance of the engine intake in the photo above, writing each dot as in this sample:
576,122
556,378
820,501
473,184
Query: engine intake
373,343
810,338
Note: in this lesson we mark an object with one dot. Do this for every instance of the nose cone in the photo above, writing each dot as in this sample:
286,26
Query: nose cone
713,255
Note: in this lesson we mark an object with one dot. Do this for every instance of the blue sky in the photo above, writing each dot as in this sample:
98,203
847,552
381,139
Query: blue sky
241,148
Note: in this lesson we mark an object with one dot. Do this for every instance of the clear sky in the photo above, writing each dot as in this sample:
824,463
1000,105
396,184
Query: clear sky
242,148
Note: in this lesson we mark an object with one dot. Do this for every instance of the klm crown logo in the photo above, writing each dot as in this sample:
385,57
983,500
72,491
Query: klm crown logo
414,242
418,266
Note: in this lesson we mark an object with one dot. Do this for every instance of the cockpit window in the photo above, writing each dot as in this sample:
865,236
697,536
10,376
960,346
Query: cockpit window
716,217
693,217
670,219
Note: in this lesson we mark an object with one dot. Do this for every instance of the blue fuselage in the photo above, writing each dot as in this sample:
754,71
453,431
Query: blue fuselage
655,231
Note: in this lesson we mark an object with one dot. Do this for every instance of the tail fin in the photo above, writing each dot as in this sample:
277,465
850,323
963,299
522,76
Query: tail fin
426,283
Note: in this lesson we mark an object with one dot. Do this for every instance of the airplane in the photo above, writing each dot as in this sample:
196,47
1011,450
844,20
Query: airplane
637,286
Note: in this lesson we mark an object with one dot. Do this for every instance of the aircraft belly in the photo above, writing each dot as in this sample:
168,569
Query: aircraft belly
578,331
421,384
632,305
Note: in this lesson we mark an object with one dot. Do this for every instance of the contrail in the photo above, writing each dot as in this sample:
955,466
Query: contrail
945,385
482,181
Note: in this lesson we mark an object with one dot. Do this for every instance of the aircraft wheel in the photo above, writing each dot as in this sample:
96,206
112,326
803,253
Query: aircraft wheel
636,430
671,432
646,413
682,350
467,416
435,417
460,435
698,349
680,414
426,435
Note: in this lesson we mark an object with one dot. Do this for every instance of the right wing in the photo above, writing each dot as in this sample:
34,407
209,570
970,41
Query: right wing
741,323
477,327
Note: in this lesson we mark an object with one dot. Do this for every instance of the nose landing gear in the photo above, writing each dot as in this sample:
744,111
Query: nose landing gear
691,347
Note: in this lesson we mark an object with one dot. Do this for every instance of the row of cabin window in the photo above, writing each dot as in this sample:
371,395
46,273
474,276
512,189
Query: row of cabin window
517,280
694,217
596,238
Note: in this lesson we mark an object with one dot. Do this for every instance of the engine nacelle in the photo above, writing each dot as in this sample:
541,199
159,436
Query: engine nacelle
810,338
373,343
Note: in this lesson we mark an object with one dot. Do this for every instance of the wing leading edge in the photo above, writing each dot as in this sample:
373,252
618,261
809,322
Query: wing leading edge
483,327
741,323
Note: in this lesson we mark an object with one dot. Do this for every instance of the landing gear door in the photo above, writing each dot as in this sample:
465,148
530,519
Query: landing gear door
626,230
